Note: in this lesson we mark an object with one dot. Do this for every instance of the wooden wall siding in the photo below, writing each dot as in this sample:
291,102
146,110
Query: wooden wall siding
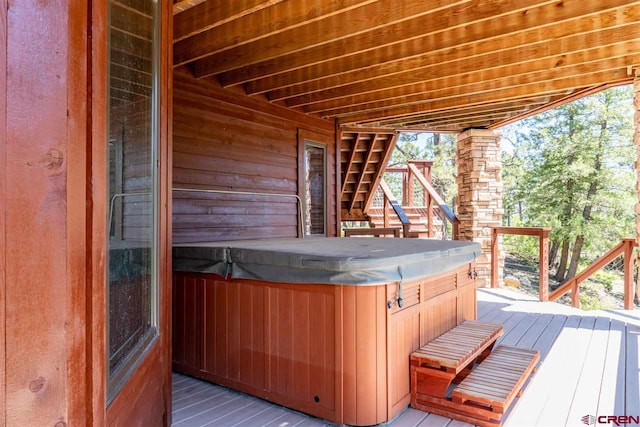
224,140
364,154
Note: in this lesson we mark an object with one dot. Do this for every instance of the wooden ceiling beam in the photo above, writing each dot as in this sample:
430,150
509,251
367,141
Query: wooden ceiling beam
482,54
550,105
459,112
517,61
258,25
473,85
211,14
383,46
500,94
361,20
497,112
182,5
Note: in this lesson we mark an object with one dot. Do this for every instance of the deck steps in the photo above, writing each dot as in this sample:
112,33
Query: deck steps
499,379
485,380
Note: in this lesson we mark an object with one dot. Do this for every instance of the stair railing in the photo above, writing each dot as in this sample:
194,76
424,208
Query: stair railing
444,211
390,200
625,247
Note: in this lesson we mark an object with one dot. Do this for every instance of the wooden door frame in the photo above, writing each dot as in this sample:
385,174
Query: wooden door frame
159,355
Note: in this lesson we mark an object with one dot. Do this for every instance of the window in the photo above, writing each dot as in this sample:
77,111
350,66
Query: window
133,132
315,189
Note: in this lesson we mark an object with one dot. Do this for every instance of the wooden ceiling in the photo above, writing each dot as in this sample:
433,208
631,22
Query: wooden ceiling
441,65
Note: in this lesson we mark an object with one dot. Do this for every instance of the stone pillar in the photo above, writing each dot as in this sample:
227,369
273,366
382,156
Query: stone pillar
480,194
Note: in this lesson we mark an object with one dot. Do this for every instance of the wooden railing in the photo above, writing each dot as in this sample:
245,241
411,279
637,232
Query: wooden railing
625,248
390,200
543,235
433,196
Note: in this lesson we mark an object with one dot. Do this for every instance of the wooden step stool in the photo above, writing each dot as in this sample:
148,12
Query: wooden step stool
497,380
449,357
485,391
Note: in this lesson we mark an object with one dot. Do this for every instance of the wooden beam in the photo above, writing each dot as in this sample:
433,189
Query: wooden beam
410,42
501,94
363,19
335,72
473,83
509,63
520,103
551,105
182,5
210,14
261,24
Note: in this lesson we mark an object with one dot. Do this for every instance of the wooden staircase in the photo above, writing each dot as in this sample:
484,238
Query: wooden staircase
364,154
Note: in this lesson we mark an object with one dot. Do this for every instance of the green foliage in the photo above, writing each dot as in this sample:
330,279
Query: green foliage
578,156
441,148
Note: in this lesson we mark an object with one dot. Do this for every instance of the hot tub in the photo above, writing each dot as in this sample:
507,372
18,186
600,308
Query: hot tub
321,325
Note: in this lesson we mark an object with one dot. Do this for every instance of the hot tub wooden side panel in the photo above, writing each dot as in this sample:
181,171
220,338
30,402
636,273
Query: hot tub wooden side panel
334,351
275,341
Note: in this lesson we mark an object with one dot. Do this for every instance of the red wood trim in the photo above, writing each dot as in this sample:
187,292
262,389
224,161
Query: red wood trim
97,220
78,366
308,135
494,258
544,265
629,261
337,141
166,215
574,283
521,231
3,178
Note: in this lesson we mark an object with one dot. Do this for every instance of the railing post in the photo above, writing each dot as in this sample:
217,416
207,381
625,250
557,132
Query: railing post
385,210
494,258
628,273
544,265
575,293
429,214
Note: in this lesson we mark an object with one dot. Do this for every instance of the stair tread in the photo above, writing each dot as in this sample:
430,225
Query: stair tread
499,377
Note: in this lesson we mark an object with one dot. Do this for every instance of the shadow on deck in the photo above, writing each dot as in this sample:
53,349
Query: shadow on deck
589,366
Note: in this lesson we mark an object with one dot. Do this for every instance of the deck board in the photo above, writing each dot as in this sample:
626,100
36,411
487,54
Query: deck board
588,366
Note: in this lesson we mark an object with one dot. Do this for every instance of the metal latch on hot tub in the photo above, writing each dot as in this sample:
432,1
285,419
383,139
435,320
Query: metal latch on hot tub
399,300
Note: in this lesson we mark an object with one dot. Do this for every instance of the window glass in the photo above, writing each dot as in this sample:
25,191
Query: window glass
315,189
132,182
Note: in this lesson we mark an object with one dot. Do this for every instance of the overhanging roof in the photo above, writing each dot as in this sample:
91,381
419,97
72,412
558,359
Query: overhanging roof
440,65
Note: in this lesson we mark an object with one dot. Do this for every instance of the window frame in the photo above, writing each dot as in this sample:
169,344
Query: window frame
312,139
116,380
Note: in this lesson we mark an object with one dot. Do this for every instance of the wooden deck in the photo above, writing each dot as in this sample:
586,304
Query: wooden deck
589,365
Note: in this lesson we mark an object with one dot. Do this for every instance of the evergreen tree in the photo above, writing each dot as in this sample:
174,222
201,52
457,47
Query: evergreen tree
572,169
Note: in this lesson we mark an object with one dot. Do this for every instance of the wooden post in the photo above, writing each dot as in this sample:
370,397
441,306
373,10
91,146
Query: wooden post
636,142
628,273
494,258
385,210
429,201
575,293
544,265
409,201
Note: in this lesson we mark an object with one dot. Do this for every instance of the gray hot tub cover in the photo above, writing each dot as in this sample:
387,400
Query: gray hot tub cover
326,260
